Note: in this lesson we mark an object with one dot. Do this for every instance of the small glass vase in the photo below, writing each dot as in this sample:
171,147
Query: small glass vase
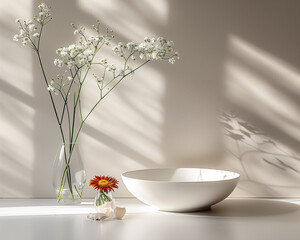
69,176
104,203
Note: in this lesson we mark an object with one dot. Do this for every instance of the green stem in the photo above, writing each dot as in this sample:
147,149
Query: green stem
108,199
59,124
67,94
82,122
77,191
104,97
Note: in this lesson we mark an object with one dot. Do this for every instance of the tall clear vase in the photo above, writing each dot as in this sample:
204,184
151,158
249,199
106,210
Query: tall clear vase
69,176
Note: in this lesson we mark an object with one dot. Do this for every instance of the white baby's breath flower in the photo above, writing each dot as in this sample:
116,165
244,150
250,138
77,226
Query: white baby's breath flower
41,6
73,53
18,20
22,33
38,20
71,47
154,55
120,72
28,21
121,45
70,78
103,60
63,53
58,51
25,41
172,60
36,35
16,38
142,56
80,47
88,52
91,38
58,62
50,88
70,64
111,68
31,27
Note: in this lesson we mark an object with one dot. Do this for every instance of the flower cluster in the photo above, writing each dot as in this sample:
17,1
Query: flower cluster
28,33
44,14
150,49
82,53
57,85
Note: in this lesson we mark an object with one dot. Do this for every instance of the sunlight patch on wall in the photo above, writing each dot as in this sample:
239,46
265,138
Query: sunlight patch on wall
16,104
16,71
131,19
275,67
125,131
256,80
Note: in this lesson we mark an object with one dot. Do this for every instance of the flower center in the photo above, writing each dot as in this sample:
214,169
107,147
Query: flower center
102,182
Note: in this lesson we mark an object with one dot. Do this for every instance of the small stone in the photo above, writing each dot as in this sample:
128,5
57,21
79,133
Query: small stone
119,212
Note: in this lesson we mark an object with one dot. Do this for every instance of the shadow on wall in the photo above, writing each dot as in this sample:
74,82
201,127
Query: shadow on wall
266,166
261,82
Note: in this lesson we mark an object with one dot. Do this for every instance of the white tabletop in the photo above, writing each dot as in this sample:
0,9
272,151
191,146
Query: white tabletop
240,219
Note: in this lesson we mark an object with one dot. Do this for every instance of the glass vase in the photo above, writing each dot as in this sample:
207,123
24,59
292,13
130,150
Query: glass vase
104,203
69,176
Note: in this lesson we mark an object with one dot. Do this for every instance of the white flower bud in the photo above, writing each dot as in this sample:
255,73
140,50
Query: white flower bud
142,56
58,62
16,38
172,60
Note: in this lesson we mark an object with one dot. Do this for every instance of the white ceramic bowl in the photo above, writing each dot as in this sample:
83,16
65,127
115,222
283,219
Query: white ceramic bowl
180,189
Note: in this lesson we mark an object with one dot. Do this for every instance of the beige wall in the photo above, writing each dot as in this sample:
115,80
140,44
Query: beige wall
237,55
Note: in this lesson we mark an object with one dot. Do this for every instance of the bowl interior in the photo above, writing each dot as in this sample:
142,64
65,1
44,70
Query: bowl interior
181,175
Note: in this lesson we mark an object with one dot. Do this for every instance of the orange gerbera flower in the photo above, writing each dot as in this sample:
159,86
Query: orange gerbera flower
103,183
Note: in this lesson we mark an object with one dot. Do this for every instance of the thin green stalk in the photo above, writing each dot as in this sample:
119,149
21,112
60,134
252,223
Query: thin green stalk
68,113
77,191
80,127
67,94
104,97
53,104
75,103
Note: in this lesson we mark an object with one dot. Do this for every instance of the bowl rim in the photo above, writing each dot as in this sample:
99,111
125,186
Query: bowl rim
180,182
